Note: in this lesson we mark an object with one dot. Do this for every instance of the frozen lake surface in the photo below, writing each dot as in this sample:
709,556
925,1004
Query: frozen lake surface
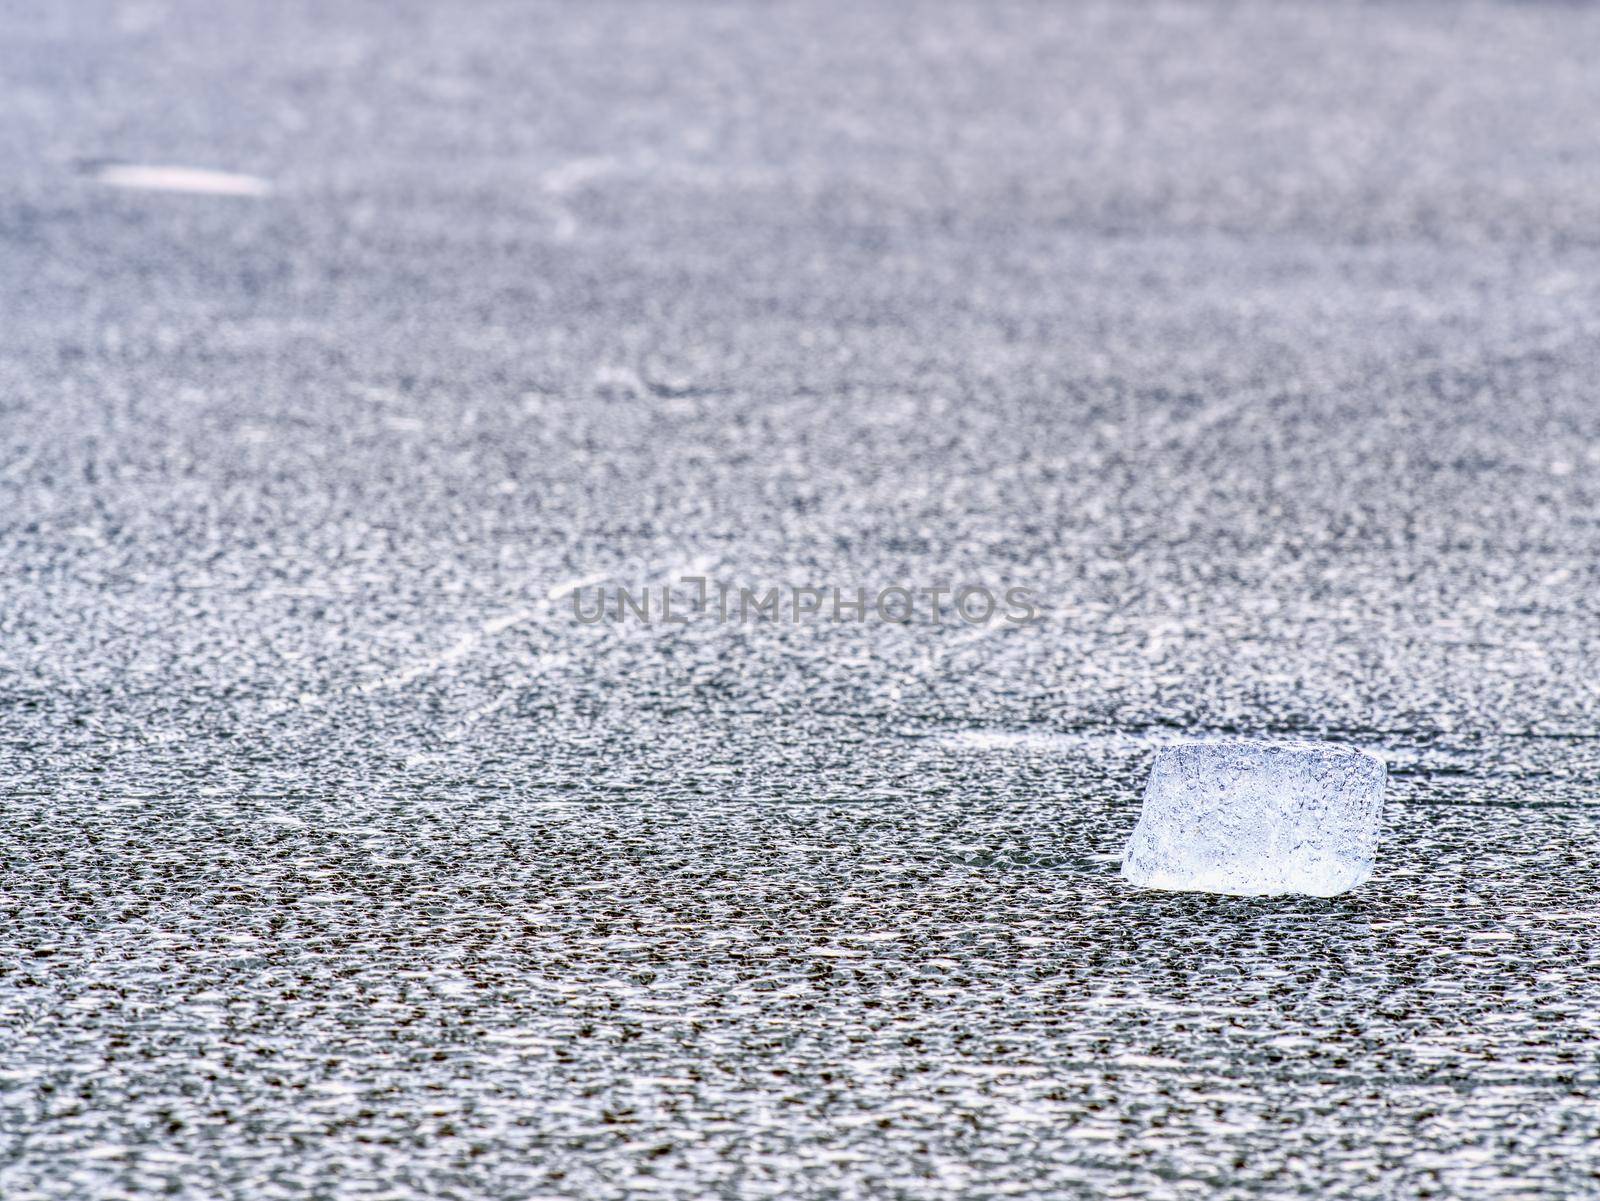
340,351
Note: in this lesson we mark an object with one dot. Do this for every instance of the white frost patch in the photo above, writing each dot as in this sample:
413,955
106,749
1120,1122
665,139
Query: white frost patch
199,180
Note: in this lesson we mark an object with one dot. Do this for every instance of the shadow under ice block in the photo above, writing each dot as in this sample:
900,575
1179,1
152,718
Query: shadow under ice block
1258,819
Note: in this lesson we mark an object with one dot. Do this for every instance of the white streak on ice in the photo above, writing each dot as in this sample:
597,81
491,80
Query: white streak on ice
198,180
495,626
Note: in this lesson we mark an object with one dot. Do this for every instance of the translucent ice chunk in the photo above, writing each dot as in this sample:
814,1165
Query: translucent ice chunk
1258,818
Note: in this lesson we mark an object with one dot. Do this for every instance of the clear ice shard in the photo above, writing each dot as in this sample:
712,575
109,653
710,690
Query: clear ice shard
1258,819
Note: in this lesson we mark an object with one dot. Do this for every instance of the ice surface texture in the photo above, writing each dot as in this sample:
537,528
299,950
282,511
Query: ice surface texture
1258,818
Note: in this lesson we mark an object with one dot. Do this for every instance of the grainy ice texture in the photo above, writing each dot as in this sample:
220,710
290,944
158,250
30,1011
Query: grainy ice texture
1257,819
340,341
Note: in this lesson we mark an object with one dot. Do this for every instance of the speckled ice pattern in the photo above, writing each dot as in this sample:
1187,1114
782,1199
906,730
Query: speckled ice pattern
1257,819
338,861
